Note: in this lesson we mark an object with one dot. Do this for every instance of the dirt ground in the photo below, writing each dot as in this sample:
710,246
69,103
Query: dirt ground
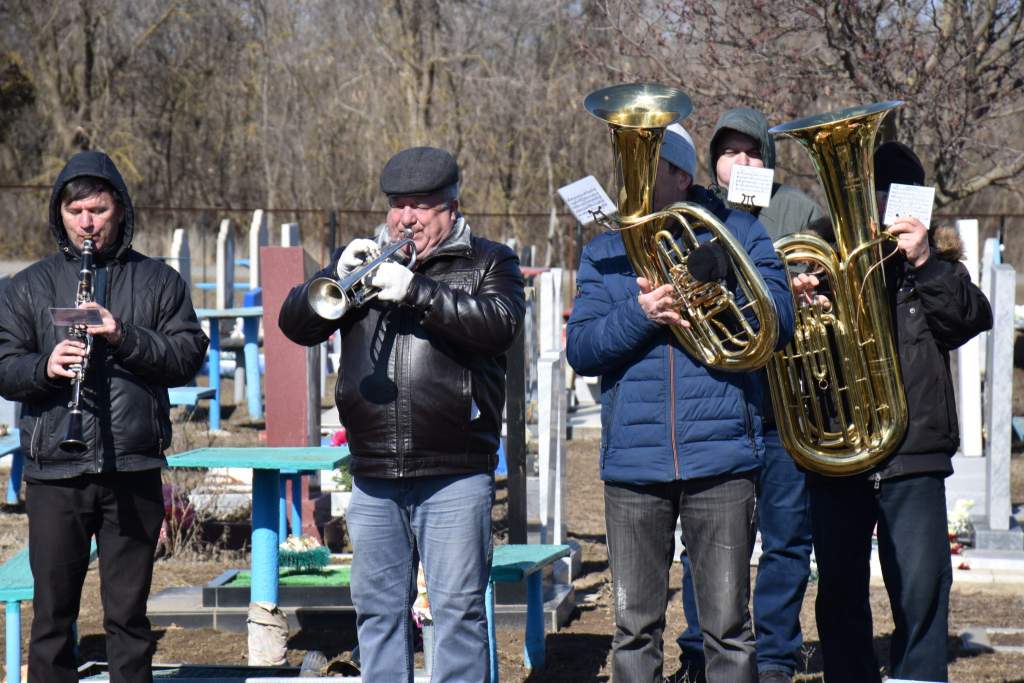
578,652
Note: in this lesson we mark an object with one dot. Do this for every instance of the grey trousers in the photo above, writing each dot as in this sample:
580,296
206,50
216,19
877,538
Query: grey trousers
717,518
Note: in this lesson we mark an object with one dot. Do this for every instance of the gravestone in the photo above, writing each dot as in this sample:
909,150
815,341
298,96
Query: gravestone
1000,532
292,378
552,409
290,235
225,292
258,238
970,357
180,257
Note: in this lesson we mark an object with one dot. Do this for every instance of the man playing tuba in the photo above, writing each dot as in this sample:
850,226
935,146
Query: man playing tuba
936,308
679,440
741,138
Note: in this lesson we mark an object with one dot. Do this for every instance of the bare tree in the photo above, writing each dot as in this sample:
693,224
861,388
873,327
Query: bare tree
214,103
957,65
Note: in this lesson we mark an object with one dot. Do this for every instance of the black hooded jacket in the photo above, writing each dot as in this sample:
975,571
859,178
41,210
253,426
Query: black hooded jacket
936,309
124,400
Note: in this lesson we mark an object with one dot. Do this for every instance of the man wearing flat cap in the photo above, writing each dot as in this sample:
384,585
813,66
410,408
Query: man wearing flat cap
421,391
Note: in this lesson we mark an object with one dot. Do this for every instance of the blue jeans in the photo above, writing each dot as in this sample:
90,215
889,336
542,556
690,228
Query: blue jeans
446,521
784,520
717,517
913,549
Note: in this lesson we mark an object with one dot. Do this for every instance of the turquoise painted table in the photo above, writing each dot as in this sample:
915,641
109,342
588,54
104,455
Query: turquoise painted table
250,316
266,464
11,444
17,585
513,563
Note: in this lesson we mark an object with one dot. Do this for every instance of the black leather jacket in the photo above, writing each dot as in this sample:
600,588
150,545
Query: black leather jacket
124,397
422,384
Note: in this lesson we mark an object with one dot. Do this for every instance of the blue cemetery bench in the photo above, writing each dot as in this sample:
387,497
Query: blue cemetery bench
513,563
267,463
250,325
190,396
11,445
16,586
237,286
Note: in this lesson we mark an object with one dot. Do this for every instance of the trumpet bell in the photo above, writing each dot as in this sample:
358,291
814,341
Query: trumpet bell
330,299
327,299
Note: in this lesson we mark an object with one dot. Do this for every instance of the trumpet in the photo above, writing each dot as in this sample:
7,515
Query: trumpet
331,298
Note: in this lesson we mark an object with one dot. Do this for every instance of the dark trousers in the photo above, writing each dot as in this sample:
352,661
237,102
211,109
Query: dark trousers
784,520
716,514
913,548
124,511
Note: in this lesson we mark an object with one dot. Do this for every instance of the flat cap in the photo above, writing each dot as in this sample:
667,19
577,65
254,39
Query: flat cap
420,171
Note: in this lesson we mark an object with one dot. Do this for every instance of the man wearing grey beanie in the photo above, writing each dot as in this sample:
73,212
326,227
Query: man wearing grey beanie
680,442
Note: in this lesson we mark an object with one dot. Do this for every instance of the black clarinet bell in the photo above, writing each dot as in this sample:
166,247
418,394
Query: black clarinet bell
74,441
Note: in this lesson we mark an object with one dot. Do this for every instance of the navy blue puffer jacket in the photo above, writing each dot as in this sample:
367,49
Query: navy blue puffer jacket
664,416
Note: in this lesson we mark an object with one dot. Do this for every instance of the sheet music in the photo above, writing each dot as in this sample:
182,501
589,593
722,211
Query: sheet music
587,200
909,200
66,317
751,186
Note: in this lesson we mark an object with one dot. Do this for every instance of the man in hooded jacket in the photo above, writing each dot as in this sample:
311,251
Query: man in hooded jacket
935,308
741,139
783,509
148,340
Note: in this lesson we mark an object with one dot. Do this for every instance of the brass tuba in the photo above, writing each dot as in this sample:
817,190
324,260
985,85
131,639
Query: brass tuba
836,388
723,334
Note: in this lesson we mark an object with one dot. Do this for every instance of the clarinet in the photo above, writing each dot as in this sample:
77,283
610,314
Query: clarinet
74,440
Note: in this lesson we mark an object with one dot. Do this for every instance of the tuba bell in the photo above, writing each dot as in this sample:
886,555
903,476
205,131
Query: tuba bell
722,333
836,388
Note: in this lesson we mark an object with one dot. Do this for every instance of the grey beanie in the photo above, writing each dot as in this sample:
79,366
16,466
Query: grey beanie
677,149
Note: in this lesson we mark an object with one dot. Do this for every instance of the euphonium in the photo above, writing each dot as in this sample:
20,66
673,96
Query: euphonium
721,334
331,298
836,389
74,439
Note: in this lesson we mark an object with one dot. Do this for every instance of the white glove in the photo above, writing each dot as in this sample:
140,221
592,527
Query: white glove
356,253
393,280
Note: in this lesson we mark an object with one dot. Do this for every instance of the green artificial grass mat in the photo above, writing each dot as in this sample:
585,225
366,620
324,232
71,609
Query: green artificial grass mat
291,577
